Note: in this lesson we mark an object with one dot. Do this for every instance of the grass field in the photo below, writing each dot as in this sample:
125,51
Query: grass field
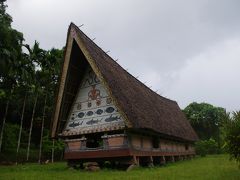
210,167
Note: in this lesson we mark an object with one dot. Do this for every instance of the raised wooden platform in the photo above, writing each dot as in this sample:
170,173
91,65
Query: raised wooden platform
124,152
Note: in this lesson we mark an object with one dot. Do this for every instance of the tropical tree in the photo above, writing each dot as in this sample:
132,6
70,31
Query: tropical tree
50,66
10,55
27,85
3,124
232,135
206,120
42,128
36,55
24,85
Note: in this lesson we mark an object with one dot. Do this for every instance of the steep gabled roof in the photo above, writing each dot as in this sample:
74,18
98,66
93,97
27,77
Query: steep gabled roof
141,107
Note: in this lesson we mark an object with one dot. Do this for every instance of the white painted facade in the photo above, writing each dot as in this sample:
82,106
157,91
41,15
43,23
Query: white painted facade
93,108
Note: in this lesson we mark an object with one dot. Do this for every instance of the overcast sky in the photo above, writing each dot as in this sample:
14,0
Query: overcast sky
188,50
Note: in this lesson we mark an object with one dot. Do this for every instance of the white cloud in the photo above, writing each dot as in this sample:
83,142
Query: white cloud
212,76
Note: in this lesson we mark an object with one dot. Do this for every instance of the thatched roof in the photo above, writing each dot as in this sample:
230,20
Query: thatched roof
141,107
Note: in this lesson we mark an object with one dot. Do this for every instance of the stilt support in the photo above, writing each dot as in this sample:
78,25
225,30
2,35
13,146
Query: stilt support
150,164
162,160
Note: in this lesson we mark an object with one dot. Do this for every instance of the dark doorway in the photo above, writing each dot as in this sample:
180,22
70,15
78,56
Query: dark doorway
94,140
155,142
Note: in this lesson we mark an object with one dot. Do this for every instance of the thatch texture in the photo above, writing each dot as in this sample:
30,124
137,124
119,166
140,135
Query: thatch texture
143,108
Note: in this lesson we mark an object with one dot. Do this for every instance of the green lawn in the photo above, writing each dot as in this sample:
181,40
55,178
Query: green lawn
210,167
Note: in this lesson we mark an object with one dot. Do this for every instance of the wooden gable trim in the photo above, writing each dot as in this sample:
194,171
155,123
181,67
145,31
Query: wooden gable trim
75,35
62,85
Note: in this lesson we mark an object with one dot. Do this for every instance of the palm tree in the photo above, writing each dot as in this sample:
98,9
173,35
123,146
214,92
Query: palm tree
31,126
36,55
42,127
50,67
21,124
26,70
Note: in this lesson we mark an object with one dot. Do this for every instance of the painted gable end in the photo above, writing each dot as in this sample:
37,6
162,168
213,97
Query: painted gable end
93,109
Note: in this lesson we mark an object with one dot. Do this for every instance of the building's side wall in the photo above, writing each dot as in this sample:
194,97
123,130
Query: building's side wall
115,141
142,142
73,145
108,141
128,148
134,141
146,143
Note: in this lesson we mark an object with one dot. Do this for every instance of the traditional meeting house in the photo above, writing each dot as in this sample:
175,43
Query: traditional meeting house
103,113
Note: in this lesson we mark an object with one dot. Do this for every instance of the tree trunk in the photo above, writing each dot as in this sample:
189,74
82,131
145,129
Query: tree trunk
53,150
3,124
62,155
31,125
43,118
21,124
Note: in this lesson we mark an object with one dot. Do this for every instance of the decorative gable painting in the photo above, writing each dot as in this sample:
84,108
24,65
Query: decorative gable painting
93,108
103,113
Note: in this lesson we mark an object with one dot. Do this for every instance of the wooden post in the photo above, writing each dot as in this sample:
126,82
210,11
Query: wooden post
105,141
162,160
83,143
136,160
150,164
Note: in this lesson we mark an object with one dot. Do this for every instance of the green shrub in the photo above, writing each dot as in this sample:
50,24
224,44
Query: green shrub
48,145
204,147
10,136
